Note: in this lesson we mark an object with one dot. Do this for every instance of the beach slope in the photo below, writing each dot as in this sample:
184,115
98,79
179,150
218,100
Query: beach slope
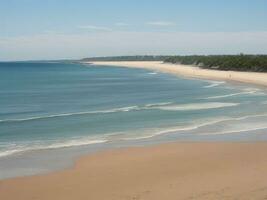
169,171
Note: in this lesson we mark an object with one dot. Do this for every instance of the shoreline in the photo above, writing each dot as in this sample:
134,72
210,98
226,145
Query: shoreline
255,78
189,170
183,170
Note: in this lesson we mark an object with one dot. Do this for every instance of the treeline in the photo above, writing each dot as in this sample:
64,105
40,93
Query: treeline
255,63
126,58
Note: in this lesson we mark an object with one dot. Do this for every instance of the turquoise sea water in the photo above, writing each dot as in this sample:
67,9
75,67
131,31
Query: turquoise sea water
58,105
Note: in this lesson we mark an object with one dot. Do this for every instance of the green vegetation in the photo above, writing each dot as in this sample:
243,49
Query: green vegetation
255,63
127,58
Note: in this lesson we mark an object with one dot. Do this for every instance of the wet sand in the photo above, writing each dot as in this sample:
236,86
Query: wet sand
168,171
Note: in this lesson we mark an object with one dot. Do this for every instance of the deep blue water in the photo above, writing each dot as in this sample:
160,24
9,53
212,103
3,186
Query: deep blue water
56,105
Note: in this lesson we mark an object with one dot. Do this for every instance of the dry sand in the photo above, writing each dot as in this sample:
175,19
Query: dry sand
176,171
193,71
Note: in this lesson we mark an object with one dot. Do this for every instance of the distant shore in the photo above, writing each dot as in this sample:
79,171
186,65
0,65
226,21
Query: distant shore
169,171
192,71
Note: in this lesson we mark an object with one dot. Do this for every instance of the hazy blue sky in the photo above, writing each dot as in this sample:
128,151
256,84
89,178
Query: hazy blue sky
52,29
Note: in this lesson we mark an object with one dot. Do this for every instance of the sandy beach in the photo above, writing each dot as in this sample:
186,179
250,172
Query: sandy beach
168,171
133,100
179,170
195,72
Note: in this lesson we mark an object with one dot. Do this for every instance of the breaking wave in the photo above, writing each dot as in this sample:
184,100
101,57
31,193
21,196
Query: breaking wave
214,84
56,145
135,135
167,106
196,106
247,91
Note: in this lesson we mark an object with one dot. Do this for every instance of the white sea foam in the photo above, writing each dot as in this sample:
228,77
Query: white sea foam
135,135
256,126
73,143
104,138
56,145
152,73
9,152
255,91
123,109
246,126
196,125
236,130
228,95
168,106
214,84
196,106
246,91
155,132
158,104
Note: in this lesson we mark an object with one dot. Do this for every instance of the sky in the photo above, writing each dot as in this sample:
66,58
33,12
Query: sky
74,29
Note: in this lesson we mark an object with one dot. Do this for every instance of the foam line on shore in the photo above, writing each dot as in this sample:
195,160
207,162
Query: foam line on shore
167,106
146,134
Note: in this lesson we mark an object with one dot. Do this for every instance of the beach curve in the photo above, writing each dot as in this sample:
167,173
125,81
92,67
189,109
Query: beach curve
255,78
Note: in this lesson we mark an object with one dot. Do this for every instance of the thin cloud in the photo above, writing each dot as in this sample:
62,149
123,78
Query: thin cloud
121,24
161,23
95,28
56,46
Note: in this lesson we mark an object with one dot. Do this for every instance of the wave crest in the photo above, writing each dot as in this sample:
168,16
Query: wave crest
123,109
134,135
196,106
167,106
246,91
56,145
214,84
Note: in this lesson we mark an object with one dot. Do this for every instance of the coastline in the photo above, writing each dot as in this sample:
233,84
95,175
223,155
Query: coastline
184,170
254,78
168,171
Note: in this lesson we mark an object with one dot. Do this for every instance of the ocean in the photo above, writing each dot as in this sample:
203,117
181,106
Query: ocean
51,111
